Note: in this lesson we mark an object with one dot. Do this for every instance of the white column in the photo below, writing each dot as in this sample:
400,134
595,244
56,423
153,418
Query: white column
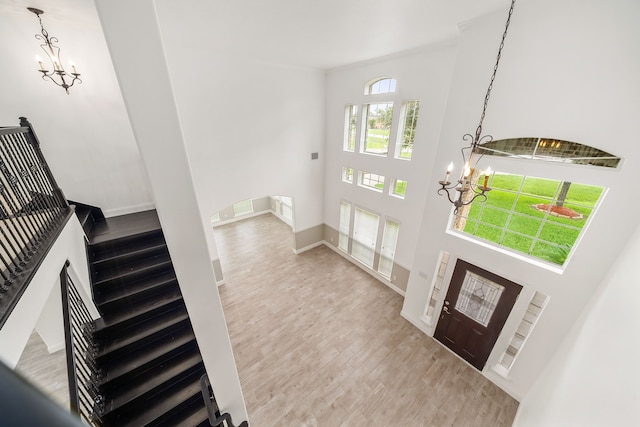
133,35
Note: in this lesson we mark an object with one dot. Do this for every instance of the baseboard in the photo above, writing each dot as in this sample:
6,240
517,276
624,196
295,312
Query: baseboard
55,347
364,268
108,213
239,218
309,247
418,324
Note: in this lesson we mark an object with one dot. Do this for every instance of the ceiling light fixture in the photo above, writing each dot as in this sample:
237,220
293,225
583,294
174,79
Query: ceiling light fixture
467,190
58,74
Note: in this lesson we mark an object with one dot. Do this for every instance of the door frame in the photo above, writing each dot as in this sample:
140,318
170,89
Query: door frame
494,326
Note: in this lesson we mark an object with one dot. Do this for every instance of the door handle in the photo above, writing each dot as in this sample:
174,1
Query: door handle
446,309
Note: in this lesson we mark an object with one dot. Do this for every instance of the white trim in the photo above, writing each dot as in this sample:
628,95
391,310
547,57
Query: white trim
309,247
418,324
108,213
240,218
364,267
56,347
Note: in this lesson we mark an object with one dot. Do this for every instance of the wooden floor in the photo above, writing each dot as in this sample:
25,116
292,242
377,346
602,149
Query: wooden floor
318,342
46,371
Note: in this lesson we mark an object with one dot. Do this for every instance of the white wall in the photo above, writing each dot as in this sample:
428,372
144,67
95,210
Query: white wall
422,75
593,379
569,70
135,42
86,136
250,126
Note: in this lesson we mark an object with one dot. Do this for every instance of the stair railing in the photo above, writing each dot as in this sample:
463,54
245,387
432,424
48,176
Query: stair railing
215,418
33,211
84,394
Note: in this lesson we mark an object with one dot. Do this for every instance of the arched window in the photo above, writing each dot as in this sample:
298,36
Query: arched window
380,85
551,150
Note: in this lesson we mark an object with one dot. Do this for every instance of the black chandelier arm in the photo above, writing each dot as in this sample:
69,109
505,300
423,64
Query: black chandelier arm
66,86
445,189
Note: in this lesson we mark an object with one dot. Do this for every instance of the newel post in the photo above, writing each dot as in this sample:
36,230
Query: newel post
35,143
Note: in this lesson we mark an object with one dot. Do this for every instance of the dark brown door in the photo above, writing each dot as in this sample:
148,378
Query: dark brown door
476,306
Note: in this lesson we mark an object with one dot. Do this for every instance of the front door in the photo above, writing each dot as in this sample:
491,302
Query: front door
476,306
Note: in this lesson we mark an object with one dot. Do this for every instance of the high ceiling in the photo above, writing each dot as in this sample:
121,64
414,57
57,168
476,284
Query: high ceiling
310,33
320,33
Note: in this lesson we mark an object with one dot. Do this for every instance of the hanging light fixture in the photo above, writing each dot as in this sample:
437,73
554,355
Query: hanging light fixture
57,75
465,191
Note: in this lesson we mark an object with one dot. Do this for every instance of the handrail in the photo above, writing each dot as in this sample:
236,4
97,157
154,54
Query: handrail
215,418
33,211
85,397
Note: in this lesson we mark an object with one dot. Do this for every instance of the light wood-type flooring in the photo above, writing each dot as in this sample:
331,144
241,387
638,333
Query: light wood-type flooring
319,342
46,371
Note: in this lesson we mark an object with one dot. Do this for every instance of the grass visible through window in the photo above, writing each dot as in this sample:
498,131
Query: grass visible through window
536,216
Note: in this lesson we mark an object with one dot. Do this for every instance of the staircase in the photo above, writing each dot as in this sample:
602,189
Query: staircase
148,358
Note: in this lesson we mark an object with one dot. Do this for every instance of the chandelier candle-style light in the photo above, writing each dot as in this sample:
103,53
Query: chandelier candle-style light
465,190
58,75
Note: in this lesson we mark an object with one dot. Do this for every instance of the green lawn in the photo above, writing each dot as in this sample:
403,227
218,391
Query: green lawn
377,140
508,218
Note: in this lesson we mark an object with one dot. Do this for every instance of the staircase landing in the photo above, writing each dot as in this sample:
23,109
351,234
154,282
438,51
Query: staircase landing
124,226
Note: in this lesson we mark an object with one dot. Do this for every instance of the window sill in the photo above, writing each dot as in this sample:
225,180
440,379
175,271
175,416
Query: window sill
502,250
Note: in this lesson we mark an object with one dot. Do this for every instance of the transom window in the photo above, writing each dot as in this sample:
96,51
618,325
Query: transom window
382,85
549,149
376,128
539,217
371,181
407,131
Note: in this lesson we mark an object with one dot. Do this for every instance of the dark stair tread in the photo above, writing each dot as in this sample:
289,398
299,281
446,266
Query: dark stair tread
130,313
113,294
184,364
129,270
185,394
125,252
125,226
195,416
127,364
146,332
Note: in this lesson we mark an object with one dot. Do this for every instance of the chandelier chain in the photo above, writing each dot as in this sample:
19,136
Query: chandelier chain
493,76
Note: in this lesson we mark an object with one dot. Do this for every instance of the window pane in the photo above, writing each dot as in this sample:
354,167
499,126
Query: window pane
398,188
243,207
550,150
347,175
384,85
388,249
371,181
343,232
407,132
350,122
377,126
365,231
536,216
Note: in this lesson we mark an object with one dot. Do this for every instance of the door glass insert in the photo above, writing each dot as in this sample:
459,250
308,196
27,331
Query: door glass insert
478,298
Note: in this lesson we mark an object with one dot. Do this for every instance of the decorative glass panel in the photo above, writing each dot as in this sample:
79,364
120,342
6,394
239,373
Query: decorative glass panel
478,298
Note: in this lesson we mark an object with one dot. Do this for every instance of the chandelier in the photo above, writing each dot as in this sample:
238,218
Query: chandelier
467,189
57,75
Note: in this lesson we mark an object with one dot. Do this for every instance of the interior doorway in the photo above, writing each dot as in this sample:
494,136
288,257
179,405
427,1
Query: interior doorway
475,309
